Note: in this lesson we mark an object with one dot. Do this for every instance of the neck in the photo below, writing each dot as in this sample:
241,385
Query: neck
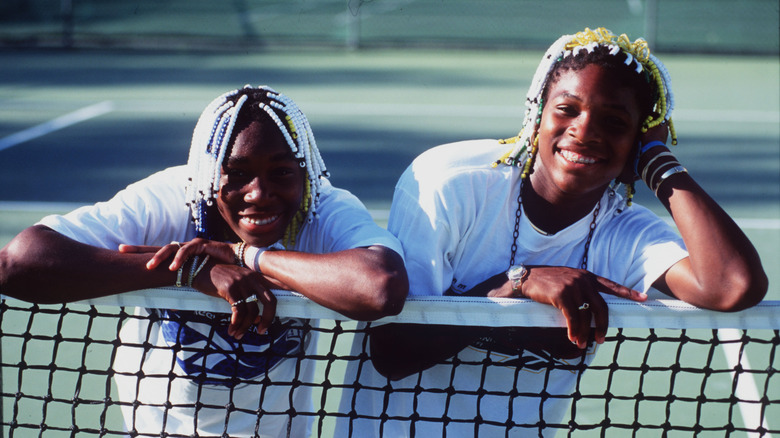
554,213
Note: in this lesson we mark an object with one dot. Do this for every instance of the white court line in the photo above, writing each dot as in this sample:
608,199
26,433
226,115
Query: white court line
746,390
61,122
515,112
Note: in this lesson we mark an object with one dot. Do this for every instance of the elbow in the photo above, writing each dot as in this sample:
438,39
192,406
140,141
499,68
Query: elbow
13,273
388,284
21,270
743,291
391,289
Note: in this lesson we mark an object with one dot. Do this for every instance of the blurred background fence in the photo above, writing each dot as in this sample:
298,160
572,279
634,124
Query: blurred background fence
689,26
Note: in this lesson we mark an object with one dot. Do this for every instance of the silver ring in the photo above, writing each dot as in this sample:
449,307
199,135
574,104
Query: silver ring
173,242
584,306
250,299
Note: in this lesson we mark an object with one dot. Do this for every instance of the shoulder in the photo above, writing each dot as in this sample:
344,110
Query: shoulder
455,166
460,156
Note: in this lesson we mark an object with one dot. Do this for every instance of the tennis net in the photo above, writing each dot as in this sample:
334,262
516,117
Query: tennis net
666,369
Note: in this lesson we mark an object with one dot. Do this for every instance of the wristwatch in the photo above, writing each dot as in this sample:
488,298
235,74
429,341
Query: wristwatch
517,275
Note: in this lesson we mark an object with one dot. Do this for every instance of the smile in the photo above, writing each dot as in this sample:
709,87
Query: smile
577,158
259,221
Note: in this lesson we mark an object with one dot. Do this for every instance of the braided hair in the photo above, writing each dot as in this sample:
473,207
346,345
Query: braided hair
641,70
214,136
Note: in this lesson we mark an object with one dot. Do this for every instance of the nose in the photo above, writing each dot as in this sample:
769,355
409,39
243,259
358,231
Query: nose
256,191
585,128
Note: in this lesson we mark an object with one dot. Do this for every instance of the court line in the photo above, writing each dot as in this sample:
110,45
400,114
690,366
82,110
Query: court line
56,124
746,389
445,110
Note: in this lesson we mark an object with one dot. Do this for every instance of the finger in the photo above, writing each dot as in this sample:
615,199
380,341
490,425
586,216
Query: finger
183,254
600,312
577,322
244,314
610,287
161,255
127,249
268,311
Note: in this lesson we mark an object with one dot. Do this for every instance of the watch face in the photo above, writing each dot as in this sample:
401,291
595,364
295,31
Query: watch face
516,272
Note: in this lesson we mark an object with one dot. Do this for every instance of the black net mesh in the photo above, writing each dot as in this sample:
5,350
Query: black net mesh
58,380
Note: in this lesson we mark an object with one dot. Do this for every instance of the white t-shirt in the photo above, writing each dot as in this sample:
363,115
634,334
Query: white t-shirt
455,215
153,212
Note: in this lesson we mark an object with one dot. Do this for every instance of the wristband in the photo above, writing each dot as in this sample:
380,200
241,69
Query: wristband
652,144
253,253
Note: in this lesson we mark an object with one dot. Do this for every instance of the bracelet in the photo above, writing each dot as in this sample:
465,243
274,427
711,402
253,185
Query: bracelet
667,174
253,253
195,272
240,250
179,274
195,261
652,144
649,163
649,182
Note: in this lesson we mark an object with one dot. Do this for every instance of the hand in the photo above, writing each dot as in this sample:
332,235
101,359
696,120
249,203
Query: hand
235,285
219,278
633,169
181,252
575,292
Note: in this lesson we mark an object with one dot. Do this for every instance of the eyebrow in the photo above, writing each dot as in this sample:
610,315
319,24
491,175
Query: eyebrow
617,106
276,158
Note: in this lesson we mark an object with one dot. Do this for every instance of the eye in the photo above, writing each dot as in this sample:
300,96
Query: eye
566,110
284,171
234,174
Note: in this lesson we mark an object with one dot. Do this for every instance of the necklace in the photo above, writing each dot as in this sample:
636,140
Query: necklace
516,232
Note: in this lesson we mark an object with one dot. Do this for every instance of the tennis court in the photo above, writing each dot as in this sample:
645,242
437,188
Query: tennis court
76,126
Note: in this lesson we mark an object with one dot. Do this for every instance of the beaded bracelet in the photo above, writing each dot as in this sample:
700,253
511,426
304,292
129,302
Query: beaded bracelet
194,273
195,261
240,254
667,174
179,275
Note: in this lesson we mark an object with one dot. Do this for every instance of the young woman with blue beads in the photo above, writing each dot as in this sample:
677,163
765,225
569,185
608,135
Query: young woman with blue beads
546,221
251,211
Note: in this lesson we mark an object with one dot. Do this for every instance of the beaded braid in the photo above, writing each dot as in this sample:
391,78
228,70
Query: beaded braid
524,147
211,143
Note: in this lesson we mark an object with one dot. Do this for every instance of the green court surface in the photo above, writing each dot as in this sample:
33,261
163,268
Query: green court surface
76,126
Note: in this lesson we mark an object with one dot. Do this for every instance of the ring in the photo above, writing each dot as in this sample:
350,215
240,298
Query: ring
173,242
250,299
584,306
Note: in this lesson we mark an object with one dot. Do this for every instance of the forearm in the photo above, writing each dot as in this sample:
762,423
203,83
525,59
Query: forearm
400,350
361,283
43,266
723,270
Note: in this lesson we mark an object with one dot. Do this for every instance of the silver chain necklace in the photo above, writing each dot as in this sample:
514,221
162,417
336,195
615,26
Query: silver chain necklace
516,232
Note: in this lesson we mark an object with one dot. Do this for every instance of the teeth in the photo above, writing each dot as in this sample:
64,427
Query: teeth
577,158
264,221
